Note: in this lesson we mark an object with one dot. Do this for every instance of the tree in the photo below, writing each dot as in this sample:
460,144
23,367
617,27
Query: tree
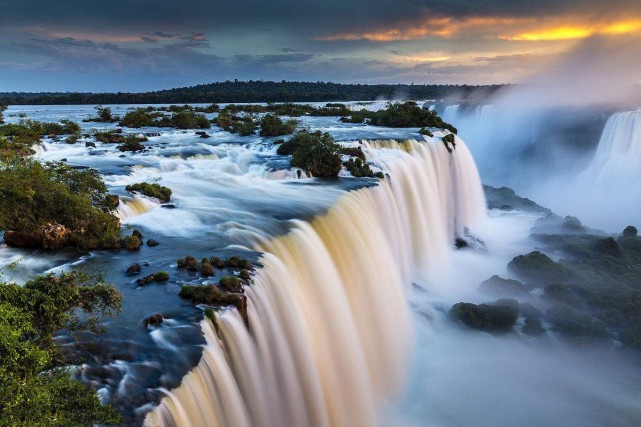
2,110
35,388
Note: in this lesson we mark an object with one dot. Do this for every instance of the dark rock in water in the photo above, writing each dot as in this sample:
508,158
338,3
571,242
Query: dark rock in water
582,329
98,152
134,269
90,144
497,198
496,285
55,236
538,268
145,280
533,327
64,159
485,317
506,302
560,313
203,134
161,276
181,263
137,233
131,243
152,242
609,246
507,208
168,206
191,263
153,320
572,224
460,243
526,309
151,134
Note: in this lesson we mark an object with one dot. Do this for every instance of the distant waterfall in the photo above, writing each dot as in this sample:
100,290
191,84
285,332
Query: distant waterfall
618,155
329,325
451,112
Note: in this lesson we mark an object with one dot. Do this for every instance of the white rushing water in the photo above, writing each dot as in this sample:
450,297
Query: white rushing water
451,113
329,325
619,152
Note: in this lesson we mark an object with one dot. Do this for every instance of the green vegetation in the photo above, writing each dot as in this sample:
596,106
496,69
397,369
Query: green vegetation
111,137
314,152
211,295
3,107
161,276
489,318
153,189
449,141
35,387
29,132
259,91
206,269
140,117
132,143
132,243
272,125
426,132
104,115
188,120
52,205
244,127
231,284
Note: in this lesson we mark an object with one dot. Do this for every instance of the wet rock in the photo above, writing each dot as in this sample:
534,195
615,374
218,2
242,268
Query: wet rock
538,268
144,281
161,276
17,239
572,224
460,243
168,206
153,320
496,285
527,309
203,134
484,317
55,236
206,269
152,242
191,263
134,269
506,208
137,233
90,144
132,243
533,327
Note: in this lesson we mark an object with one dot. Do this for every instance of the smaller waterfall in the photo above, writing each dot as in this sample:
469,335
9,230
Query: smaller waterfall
618,155
451,113
138,205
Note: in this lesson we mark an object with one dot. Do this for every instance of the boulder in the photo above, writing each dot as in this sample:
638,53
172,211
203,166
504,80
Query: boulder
609,246
152,242
533,327
145,280
153,320
538,268
484,317
572,224
18,239
90,144
137,233
496,285
630,231
526,309
134,269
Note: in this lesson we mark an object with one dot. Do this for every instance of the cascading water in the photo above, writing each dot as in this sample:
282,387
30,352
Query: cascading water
619,152
450,113
329,331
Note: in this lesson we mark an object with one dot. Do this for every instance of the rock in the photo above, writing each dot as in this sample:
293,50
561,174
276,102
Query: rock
137,233
609,246
506,302
488,318
161,276
144,281
460,243
134,269
496,285
55,236
538,268
526,309
571,224
560,313
203,134
153,320
231,284
557,291
181,263
533,327
506,208
630,231
244,274
18,239
152,242
90,144
168,206
132,243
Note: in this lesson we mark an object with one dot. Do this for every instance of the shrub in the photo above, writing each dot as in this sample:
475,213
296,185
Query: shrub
2,109
132,243
245,127
315,152
224,120
407,114
272,125
210,294
426,132
231,284
206,269
34,194
190,120
217,262
449,141
244,274
111,137
161,276
140,117
154,190
237,262
132,143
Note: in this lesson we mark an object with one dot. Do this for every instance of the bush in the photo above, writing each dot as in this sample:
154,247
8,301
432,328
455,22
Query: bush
189,120
33,195
36,388
111,137
231,284
237,262
161,276
426,132
272,125
630,231
210,294
244,274
217,262
206,269
154,190
449,141
407,114
140,117
132,143
315,152
2,109
132,243
245,127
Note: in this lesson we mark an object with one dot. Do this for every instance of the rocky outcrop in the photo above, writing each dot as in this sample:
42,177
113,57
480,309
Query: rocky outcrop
55,236
488,318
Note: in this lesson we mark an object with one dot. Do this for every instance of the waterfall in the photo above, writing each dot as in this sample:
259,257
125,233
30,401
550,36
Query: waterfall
451,113
329,326
138,205
619,151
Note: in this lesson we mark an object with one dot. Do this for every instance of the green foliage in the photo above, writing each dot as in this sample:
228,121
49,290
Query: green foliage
236,262
211,295
224,119
132,143
272,125
140,117
426,132
111,137
132,243
449,141
489,318
244,127
103,114
315,152
231,284
34,390
34,194
151,190
29,132
187,119
403,115
161,276
3,107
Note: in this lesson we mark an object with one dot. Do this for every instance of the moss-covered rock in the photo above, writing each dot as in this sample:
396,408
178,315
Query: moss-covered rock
154,190
206,269
485,317
211,295
231,284
132,243
161,276
533,327
538,268
496,285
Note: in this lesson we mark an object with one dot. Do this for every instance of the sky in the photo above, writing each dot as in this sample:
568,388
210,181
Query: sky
140,45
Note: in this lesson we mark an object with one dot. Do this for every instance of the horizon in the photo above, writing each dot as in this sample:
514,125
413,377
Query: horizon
162,45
